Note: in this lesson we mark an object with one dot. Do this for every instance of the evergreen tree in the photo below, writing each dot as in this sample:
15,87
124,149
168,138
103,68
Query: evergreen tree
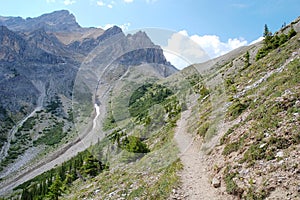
69,178
267,35
266,31
26,195
55,190
62,171
91,166
247,59
43,187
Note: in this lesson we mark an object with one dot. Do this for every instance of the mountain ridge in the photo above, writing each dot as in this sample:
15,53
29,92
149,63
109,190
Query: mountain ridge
56,21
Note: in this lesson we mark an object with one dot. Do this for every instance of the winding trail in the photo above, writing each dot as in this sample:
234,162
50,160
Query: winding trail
194,177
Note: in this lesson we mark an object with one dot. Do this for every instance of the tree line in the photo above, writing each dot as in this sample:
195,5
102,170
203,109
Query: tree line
53,183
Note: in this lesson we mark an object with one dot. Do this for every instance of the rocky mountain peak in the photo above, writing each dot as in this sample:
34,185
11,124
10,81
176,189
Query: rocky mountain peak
113,31
61,20
63,14
57,21
140,34
141,38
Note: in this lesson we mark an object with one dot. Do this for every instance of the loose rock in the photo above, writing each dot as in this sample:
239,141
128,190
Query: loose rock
216,182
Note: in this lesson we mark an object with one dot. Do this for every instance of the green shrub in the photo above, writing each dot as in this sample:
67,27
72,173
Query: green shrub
28,124
256,152
224,138
292,33
54,105
236,108
231,147
134,144
203,91
229,82
279,142
259,195
247,60
231,186
261,53
109,123
203,129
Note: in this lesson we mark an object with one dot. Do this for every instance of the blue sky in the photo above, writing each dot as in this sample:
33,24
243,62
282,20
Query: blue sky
226,24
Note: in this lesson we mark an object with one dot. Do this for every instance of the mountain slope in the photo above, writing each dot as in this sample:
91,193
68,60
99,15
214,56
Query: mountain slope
252,149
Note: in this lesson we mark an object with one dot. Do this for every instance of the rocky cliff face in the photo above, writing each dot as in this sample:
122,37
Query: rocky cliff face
15,48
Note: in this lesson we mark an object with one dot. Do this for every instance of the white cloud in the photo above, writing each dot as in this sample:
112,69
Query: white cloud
100,3
124,26
182,51
128,1
214,47
257,40
69,2
106,26
196,49
151,1
177,60
50,1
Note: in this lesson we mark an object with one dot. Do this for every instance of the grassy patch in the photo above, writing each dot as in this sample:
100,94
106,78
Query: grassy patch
163,187
237,108
52,136
145,97
231,186
109,122
234,146
203,129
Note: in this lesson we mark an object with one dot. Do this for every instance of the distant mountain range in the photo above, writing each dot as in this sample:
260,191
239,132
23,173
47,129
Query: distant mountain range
34,49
